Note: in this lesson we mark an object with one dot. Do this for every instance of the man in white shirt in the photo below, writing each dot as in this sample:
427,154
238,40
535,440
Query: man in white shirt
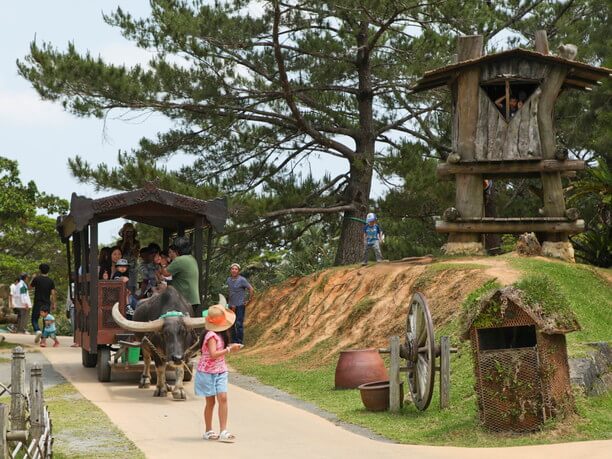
21,302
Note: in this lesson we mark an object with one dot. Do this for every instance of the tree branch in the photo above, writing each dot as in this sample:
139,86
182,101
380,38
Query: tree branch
309,210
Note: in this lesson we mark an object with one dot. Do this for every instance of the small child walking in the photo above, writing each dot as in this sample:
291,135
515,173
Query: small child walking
211,375
49,330
372,237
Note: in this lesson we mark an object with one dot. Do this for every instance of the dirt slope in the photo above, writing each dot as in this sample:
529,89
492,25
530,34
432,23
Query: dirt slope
358,307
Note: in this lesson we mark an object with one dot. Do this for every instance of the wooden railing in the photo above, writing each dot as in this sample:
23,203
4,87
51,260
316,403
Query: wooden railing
25,428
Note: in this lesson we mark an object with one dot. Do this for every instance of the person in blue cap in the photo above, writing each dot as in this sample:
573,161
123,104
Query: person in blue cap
372,237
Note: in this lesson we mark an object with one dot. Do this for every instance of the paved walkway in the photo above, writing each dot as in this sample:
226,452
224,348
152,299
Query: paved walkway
265,428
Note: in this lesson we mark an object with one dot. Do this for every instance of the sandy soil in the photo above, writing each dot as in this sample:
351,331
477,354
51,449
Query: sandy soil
351,307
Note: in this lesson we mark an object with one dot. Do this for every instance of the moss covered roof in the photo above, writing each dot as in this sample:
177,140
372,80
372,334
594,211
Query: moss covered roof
550,317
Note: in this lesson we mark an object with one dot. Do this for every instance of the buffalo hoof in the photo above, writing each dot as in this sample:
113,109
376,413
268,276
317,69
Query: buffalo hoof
179,394
145,383
160,392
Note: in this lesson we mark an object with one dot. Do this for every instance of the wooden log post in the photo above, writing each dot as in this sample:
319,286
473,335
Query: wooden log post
18,394
4,425
541,41
394,375
554,202
37,403
444,372
469,192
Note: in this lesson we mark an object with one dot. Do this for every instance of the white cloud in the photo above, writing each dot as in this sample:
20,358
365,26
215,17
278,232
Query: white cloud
24,108
125,54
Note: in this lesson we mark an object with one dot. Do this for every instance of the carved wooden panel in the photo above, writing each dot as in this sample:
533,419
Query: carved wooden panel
518,138
516,68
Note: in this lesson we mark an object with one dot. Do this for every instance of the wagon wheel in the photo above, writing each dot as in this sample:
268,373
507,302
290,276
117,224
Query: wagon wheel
420,351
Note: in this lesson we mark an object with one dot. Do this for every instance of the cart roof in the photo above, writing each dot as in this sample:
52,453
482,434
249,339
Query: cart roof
149,205
579,76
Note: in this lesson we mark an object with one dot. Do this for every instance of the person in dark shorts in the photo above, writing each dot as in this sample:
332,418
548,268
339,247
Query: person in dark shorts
237,286
44,297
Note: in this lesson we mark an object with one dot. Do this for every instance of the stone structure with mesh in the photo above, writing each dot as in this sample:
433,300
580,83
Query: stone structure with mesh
520,362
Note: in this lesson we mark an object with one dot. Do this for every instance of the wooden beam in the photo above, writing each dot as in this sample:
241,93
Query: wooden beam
93,286
508,167
468,193
394,375
444,372
552,188
510,227
541,42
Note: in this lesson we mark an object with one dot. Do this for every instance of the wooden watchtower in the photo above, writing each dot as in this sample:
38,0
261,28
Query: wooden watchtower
503,126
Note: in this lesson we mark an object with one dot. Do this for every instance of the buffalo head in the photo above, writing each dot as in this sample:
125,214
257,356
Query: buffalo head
171,333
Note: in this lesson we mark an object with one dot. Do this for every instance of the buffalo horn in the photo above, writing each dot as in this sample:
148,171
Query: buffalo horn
134,326
194,322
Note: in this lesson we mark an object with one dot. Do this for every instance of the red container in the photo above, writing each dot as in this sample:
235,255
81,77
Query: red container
359,366
375,395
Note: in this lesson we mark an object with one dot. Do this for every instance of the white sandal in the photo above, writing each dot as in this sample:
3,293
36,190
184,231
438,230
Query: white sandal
227,437
211,435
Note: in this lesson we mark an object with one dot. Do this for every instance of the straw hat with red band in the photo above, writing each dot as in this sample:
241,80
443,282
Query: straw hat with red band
219,318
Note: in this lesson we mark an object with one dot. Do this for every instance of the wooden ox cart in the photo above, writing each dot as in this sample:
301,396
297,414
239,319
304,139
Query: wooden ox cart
95,331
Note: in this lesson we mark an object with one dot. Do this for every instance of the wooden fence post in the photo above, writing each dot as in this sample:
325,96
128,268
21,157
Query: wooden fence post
18,395
3,428
394,376
444,372
37,403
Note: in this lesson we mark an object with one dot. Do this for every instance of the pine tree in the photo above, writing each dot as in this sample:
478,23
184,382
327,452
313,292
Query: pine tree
259,90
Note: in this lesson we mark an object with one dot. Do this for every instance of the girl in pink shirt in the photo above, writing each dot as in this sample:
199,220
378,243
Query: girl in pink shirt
211,376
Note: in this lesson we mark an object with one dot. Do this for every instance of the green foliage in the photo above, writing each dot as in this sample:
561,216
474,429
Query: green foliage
473,299
593,194
508,243
256,99
542,290
407,213
28,238
81,430
589,296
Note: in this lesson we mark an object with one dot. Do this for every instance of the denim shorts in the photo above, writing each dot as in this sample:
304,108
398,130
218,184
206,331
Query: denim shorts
210,384
48,334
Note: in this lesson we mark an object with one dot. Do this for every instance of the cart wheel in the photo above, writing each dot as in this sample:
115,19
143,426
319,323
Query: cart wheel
104,368
89,360
188,375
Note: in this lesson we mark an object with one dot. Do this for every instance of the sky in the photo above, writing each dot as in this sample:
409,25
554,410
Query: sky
40,135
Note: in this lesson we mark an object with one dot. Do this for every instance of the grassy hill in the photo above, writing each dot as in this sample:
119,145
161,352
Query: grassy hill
296,330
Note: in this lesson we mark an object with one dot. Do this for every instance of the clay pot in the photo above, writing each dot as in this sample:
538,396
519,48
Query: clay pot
375,395
359,366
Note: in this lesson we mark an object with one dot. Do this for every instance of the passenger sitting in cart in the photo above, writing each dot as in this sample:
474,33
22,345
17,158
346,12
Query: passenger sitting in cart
122,266
147,273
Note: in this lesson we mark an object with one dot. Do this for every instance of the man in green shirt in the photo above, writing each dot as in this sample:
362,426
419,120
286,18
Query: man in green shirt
185,275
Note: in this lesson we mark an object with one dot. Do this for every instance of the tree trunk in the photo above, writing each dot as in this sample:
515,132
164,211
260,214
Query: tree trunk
350,247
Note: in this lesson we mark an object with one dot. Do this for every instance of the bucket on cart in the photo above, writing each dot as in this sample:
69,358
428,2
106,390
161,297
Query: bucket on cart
133,355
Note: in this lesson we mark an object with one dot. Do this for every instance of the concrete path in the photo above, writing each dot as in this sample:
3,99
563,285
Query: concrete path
265,428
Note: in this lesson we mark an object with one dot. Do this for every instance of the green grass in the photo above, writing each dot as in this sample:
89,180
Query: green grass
82,430
588,296
433,270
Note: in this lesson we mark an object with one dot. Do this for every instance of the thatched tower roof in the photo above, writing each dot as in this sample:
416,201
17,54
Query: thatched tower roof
549,318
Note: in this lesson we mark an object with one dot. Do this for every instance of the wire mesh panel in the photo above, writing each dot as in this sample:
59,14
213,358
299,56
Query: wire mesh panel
509,389
555,373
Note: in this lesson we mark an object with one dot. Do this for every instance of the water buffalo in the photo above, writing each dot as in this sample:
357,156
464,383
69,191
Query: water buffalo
168,334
